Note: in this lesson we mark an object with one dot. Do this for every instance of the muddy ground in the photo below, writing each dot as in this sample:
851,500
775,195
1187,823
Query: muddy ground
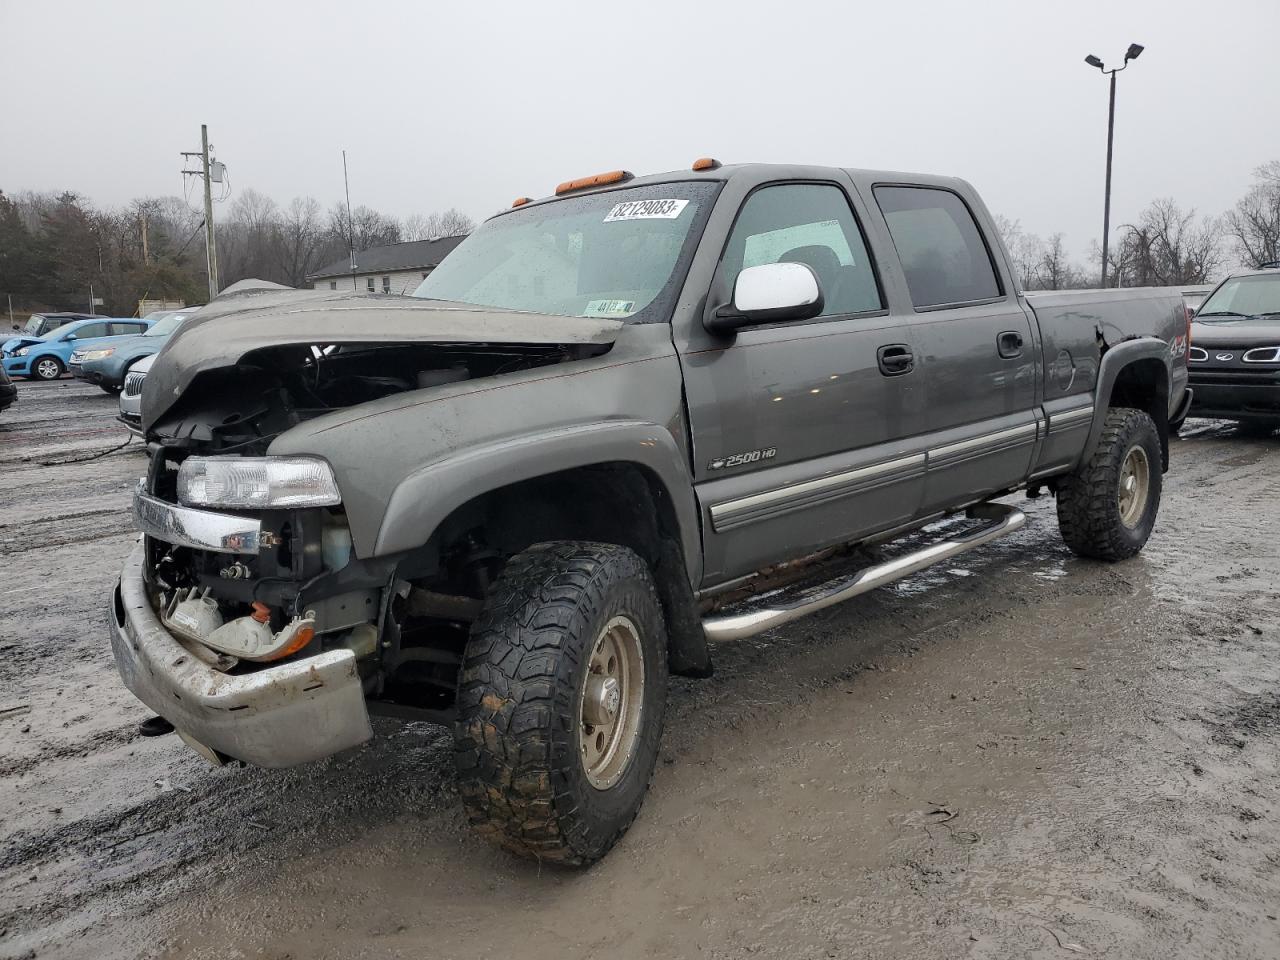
1019,755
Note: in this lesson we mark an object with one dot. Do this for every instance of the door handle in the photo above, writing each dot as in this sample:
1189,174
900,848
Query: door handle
895,359
1009,344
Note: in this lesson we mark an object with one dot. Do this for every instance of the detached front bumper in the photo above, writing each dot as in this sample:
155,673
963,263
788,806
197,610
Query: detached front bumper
276,716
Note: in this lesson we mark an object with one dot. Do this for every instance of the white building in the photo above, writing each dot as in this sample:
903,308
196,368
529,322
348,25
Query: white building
395,268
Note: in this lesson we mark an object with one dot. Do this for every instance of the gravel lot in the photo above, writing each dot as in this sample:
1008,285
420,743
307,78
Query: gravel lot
1020,755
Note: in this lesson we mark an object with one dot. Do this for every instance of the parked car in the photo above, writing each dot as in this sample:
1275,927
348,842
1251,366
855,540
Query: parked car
39,324
612,426
106,364
8,392
131,395
1235,351
46,358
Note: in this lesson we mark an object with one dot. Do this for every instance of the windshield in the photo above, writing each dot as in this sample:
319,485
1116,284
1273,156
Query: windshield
33,325
166,324
1253,296
619,254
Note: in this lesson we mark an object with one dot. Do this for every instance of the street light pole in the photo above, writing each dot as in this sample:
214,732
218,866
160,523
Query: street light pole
1106,203
1134,51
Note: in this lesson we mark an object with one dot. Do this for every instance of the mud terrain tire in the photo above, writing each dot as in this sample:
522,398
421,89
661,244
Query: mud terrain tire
524,747
1096,518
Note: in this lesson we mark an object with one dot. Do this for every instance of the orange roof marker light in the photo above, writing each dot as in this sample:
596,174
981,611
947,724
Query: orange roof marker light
599,180
521,201
706,163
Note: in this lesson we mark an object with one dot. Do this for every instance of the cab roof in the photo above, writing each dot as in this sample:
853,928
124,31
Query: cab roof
756,172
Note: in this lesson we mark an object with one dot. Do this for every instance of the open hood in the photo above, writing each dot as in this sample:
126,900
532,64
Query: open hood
231,327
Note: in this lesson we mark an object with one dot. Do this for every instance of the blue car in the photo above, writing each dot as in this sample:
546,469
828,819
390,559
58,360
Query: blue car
46,358
107,364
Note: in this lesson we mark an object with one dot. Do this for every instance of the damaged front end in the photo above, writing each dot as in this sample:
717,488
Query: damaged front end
248,566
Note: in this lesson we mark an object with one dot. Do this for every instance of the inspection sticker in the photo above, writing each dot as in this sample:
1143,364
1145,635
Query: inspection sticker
646,210
610,308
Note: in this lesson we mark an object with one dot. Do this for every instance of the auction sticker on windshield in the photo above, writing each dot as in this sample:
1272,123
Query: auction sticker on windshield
610,308
646,210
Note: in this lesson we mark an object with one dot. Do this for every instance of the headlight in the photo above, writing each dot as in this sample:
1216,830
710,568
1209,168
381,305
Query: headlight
257,483
94,354
23,352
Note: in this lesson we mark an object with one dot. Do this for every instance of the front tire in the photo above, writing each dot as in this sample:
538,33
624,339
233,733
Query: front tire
561,701
1108,505
47,368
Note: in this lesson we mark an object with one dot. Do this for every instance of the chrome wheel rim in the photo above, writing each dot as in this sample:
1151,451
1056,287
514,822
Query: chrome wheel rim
612,698
47,369
1135,485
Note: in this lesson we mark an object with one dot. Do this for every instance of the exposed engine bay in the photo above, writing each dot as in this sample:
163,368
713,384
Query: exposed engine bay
240,409
303,591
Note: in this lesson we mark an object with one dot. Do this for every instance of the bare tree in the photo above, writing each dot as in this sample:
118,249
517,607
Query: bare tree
433,226
1025,250
299,240
246,239
1054,269
367,228
1167,247
1254,223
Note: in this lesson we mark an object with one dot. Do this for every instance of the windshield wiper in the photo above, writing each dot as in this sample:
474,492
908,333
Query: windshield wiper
1221,313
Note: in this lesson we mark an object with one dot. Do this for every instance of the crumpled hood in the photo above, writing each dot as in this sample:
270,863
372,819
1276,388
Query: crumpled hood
17,343
230,327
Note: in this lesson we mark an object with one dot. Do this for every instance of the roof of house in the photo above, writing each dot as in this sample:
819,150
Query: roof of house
414,255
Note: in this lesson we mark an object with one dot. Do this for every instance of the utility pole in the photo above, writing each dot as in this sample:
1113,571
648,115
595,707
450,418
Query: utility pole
210,244
146,253
1135,50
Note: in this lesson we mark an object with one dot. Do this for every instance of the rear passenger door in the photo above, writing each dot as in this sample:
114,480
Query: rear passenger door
800,437
976,345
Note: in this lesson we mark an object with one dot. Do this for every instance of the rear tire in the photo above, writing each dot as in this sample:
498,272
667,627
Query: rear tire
1108,505
561,700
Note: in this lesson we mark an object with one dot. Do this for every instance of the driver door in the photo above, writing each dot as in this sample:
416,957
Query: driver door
803,430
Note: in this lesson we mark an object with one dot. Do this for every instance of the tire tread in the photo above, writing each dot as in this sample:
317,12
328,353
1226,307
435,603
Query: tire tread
514,701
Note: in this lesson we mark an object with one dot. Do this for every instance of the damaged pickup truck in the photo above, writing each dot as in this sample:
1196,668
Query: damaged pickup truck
613,427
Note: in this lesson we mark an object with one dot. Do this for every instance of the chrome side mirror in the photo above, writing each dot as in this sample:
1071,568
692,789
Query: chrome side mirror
770,293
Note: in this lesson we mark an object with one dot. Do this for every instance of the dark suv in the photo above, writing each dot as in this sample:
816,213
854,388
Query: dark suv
1235,351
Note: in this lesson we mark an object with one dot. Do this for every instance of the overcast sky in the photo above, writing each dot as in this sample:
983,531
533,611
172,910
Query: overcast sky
472,103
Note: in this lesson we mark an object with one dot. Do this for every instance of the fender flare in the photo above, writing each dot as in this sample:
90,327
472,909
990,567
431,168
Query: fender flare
425,497
1114,360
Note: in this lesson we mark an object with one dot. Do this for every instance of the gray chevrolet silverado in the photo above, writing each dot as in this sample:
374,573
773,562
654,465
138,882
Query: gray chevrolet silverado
614,426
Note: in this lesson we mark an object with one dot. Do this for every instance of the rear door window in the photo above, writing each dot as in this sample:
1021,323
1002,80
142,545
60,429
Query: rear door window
942,251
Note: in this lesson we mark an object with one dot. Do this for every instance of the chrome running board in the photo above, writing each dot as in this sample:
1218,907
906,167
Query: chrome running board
1003,519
